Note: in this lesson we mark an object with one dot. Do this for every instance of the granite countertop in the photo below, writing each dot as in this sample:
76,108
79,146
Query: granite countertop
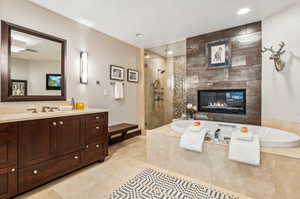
286,152
17,117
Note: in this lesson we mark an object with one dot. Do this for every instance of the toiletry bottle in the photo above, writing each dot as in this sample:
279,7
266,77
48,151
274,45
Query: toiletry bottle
73,103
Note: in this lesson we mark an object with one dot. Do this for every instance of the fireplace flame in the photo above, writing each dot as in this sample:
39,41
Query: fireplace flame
217,104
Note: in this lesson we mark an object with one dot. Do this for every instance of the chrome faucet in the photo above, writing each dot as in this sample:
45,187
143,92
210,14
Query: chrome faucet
33,110
52,109
45,108
217,134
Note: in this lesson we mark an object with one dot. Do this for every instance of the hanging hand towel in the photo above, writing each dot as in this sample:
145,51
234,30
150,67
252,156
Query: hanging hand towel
119,90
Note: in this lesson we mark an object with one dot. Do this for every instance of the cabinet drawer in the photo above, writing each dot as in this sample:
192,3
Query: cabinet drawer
94,133
97,118
8,145
42,173
8,182
93,153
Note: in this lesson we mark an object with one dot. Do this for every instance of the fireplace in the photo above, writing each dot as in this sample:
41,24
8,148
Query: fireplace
231,101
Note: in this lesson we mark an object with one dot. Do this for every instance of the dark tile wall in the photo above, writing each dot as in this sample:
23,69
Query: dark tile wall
245,72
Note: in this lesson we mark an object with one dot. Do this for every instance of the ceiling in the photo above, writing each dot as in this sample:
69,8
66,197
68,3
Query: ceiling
162,21
177,49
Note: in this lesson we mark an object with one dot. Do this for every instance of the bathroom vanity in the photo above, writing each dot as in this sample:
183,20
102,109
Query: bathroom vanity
36,148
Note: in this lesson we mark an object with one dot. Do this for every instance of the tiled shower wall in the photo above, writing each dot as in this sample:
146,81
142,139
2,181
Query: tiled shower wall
245,72
179,93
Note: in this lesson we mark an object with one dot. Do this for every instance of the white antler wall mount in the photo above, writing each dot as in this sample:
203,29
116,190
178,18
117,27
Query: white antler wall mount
276,56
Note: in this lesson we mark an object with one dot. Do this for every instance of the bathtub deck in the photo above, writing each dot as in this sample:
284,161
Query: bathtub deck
276,178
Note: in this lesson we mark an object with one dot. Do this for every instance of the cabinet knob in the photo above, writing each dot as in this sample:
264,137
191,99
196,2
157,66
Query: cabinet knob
97,118
97,146
97,127
13,170
87,146
61,122
54,123
76,157
35,172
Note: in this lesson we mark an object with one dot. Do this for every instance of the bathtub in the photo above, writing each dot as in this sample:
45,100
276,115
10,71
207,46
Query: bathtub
269,137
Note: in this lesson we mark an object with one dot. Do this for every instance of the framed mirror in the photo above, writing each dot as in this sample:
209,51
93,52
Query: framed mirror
32,65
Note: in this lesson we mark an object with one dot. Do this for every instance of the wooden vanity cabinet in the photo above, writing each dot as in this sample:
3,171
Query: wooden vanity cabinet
96,138
70,134
35,152
37,142
8,182
8,160
8,145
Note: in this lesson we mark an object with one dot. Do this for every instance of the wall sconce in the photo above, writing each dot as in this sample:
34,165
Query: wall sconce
83,67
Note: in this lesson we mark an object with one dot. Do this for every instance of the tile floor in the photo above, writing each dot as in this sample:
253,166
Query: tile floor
97,181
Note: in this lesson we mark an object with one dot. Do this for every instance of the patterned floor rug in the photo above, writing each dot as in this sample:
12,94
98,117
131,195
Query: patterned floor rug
152,184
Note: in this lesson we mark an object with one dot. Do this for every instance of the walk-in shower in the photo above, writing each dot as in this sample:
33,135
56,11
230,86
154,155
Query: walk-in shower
164,83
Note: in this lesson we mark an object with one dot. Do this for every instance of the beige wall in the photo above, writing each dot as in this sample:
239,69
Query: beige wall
281,90
103,50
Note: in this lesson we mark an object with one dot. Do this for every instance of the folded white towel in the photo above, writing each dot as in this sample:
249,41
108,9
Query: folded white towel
245,151
119,90
192,140
244,136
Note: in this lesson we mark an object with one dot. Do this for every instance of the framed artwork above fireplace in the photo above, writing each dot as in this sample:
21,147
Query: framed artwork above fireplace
229,101
218,54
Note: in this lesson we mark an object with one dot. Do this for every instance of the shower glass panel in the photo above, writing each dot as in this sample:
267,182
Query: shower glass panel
165,72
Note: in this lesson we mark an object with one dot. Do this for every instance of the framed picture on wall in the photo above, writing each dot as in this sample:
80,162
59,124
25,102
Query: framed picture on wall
18,87
132,76
219,54
117,73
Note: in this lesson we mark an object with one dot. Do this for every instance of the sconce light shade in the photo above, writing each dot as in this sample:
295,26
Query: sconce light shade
83,67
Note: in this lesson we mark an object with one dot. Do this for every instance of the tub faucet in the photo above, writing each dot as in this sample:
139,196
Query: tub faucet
217,134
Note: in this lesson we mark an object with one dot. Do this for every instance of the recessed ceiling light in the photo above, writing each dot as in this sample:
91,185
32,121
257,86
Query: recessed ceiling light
139,35
147,57
243,11
170,52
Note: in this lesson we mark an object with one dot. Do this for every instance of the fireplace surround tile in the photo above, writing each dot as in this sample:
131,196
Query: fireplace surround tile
246,42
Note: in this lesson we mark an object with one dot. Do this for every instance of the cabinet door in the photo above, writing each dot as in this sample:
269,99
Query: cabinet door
8,182
70,135
94,152
37,142
8,145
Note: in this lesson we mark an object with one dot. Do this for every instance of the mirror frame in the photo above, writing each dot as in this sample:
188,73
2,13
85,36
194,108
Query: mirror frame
6,96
